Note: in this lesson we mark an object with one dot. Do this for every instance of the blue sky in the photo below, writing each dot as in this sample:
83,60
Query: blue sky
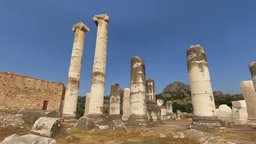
36,38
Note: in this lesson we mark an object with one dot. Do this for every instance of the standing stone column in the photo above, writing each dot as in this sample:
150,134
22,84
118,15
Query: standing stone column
250,99
71,94
99,66
114,104
252,68
126,104
138,91
150,89
200,83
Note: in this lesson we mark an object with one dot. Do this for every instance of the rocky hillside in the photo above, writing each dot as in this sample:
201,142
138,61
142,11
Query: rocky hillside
176,87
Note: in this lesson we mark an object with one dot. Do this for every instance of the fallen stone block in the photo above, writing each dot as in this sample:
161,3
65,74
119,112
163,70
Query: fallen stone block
85,123
46,126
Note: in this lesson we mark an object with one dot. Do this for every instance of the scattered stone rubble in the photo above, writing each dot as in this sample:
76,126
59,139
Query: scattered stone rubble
11,120
27,139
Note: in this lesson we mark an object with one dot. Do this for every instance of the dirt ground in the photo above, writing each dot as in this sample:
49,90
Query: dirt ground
160,134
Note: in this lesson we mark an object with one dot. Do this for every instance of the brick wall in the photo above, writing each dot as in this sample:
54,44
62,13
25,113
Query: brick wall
19,92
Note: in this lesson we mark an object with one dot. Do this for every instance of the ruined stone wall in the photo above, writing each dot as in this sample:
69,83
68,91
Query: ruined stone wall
18,92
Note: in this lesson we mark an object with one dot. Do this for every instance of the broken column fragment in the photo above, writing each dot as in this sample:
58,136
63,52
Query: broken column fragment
46,126
114,104
138,91
200,83
150,89
71,94
250,99
240,114
201,88
99,67
126,104
252,68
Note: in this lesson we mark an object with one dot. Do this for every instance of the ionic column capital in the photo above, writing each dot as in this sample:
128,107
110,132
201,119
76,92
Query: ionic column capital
101,17
80,26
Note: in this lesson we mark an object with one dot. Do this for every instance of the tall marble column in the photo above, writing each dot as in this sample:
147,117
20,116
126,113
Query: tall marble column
200,83
71,94
99,66
138,91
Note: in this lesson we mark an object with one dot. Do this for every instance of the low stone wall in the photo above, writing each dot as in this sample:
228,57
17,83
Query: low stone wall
19,92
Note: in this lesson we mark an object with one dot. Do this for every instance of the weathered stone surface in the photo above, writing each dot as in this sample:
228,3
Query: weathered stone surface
177,135
224,113
200,83
199,135
126,104
240,114
138,90
169,107
239,104
87,104
163,113
153,111
27,139
250,99
46,126
10,120
239,142
30,116
19,93
214,140
252,68
115,99
118,125
159,102
85,123
71,94
150,89
99,66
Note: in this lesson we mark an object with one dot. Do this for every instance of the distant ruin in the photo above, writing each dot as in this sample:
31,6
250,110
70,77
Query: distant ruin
19,93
